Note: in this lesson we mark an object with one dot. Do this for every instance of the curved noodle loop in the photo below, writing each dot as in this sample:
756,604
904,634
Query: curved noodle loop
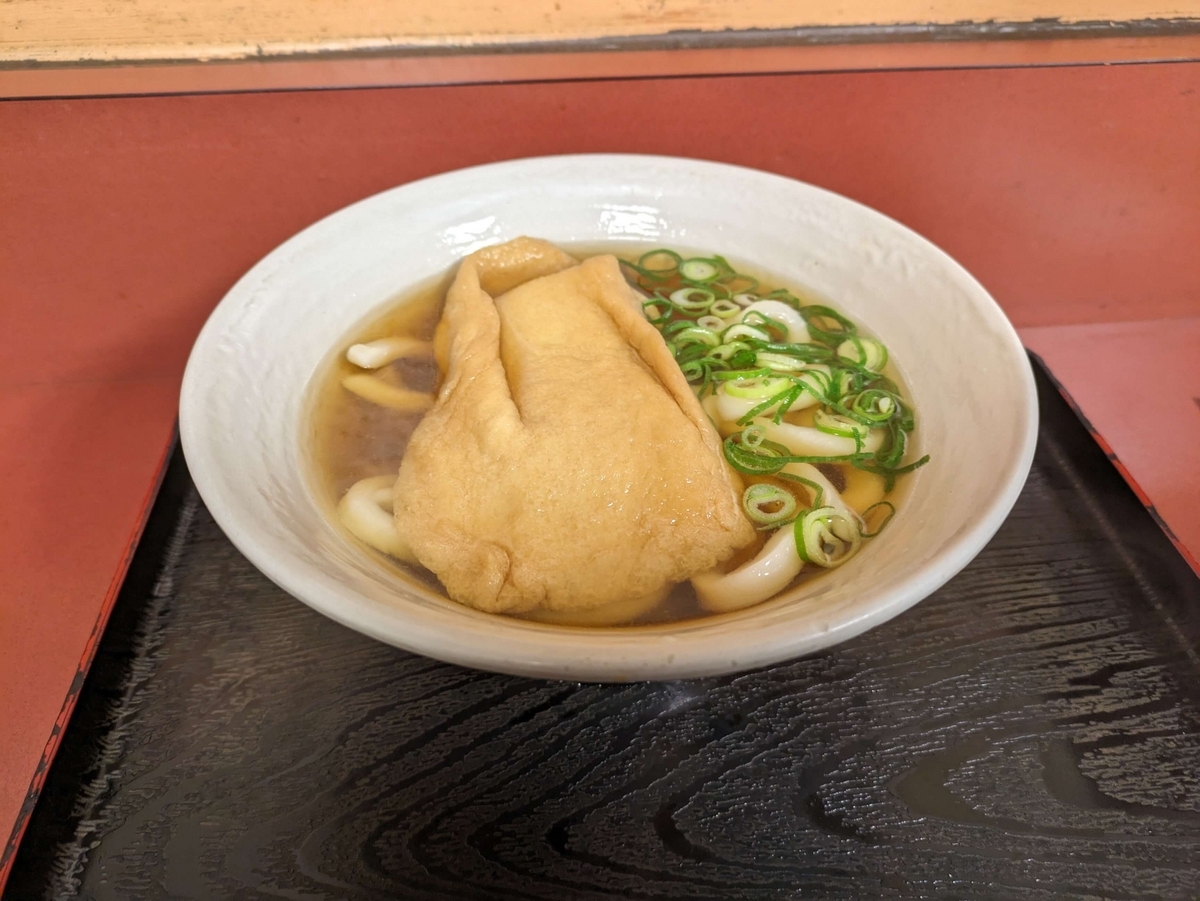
776,565
806,441
378,353
377,391
780,560
366,512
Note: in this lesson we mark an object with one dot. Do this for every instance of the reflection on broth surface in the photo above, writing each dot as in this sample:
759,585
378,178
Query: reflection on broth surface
799,415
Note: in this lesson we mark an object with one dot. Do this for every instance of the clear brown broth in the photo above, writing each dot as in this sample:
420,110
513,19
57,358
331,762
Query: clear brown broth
350,438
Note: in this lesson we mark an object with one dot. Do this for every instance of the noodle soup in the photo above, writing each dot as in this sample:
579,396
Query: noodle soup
809,411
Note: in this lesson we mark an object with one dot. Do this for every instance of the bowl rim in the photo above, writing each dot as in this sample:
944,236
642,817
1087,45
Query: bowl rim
550,651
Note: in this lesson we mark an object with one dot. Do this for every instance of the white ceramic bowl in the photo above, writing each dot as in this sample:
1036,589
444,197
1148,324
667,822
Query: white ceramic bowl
244,398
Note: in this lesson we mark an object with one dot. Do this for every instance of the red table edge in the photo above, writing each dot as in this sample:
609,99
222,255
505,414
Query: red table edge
1120,466
85,663
484,65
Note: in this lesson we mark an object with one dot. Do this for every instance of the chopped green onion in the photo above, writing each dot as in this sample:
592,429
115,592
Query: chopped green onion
692,350
782,402
875,405
739,284
674,328
865,352
786,296
768,505
714,362
743,374
653,315
727,351
780,317
751,459
866,514
843,383
741,330
726,309
827,537
756,388
827,325
758,375
809,353
815,490
733,281
693,300
644,262
816,380
779,362
836,424
699,270
742,359
696,335
759,319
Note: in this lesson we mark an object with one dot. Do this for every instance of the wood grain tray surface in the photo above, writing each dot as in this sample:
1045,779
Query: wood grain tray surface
1030,731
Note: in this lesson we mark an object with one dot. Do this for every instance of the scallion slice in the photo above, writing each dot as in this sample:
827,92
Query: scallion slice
779,362
786,296
865,352
693,300
762,320
727,351
753,437
827,325
737,283
651,262
654,313
781,317
741,330
756,388
836,424
768,505
696,335
843,384
713,323
698,269
827,537
816,490
866,515
751,458
743,374
875,405
726,309
809,353
816,381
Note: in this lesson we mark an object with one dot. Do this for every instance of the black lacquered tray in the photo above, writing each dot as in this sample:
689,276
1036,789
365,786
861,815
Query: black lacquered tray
1030,731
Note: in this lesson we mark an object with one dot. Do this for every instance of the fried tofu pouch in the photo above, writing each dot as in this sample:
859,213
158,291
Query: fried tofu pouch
566,464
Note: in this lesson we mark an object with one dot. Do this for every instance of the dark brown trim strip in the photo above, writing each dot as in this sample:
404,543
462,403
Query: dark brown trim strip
408,70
